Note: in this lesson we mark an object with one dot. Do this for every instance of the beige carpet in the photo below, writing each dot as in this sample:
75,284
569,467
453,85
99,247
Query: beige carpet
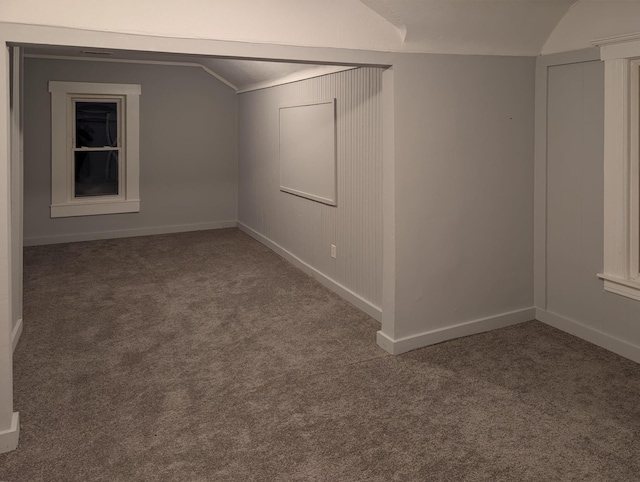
205,356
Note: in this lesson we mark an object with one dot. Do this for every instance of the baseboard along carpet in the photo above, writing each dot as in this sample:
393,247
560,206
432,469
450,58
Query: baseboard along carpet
206,356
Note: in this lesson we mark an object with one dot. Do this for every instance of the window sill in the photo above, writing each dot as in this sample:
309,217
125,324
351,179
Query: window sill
95,208
623,287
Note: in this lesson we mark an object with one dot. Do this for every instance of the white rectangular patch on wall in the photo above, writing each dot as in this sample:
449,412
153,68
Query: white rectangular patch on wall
308,151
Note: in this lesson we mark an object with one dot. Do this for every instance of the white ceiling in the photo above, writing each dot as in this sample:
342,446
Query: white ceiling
491,27
239,74
251,74
481,27
590,20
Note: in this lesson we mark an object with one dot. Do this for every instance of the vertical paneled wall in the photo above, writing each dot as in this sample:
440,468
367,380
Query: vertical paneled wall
307,228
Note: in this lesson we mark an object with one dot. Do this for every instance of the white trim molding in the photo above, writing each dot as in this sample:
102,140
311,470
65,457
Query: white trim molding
597,337
9,438
618,47
127,233
344,292
388,203
309,73
135,61
15,335
94,208
622,287
616,40
420,340
621,272
64,202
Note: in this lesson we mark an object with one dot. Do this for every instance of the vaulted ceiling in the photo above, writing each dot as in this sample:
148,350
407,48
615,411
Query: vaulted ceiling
498,27
481,27
239,74
492,27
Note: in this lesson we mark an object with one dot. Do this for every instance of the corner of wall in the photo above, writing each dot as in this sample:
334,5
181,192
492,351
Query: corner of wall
433,337
9,438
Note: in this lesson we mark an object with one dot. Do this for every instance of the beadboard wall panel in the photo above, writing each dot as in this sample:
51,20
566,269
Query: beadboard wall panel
306,228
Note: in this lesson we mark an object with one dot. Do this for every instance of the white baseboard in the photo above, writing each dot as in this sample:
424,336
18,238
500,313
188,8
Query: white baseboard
15,335
9,438
127,233
408,343
597,337
355,299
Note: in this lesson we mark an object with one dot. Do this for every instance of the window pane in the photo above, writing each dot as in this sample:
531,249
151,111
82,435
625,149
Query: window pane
96,173
96,124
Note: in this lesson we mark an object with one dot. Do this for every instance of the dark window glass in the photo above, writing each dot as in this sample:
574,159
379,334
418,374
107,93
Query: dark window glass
96,124
96,173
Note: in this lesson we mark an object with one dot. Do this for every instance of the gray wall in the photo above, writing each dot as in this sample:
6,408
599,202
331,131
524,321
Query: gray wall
575,299
464,189
188,149
306,228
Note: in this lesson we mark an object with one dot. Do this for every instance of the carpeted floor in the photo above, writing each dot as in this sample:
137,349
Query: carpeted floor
205,356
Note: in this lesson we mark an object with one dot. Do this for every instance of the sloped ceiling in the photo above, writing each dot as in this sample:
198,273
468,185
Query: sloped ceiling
485,27
589,20
314,23
238,74
252,74
492,27
482,27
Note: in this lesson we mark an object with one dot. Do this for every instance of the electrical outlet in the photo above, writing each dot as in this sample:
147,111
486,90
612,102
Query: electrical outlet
333,251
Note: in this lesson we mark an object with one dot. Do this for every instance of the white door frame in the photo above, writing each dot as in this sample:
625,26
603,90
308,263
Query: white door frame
44,35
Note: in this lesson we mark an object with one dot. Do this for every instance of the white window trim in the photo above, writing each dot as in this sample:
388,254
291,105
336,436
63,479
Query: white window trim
621,56
63,203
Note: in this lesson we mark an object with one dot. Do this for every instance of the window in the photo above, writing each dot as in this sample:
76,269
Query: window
95,162
622,166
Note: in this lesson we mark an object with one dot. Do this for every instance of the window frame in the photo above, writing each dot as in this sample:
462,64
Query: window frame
64,95
118,148
621,273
